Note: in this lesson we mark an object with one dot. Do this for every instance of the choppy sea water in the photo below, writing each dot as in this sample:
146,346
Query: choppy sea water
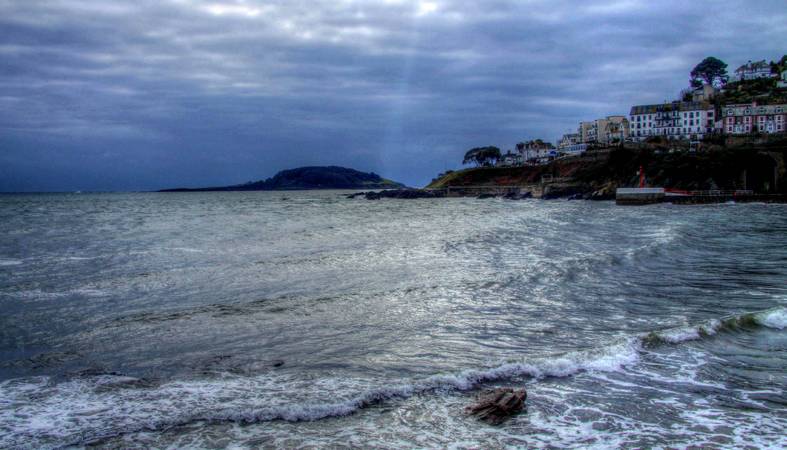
304,319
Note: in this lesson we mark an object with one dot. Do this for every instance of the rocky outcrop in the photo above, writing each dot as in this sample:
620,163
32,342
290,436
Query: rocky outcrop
398,193
518,195
497,405
561,190
605,192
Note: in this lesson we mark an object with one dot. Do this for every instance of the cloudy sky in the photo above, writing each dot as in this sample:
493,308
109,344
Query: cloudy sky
138,95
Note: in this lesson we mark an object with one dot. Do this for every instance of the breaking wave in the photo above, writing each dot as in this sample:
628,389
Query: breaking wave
92,403
39,412
775,318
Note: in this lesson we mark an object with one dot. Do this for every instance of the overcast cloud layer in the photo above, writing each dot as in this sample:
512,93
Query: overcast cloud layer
138,95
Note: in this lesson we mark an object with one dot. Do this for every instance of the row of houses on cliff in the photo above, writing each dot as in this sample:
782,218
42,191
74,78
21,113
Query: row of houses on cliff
692,118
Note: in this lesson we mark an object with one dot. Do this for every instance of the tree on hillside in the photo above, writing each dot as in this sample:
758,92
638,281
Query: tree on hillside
780,65
482,156
711,71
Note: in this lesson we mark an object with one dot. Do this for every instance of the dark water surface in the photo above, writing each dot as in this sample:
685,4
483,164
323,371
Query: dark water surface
304,319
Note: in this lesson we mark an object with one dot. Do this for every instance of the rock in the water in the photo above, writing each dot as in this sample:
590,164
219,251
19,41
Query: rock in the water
605,192
399,193
497,405
554,191
513,195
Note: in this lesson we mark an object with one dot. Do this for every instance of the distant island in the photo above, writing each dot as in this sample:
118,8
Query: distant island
308,178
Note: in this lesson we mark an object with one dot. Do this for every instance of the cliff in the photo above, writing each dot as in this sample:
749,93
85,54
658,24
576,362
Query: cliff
757,164
307,178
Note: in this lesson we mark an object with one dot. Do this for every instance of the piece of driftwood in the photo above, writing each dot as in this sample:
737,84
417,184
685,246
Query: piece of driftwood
497,405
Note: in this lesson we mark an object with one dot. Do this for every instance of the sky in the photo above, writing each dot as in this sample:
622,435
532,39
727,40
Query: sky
100,95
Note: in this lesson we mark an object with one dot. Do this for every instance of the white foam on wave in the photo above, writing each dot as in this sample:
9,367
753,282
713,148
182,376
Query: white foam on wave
690,333
38,294
655,240
40,413
10,262
606,359
184,249
774,318
82,258
81,410
680,335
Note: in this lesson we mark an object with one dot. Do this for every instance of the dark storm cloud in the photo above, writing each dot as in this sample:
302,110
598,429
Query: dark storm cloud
141,95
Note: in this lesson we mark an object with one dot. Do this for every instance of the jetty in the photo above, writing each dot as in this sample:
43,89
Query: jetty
639,196
646,196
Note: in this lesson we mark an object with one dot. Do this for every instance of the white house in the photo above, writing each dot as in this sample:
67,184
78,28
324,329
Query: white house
510,159
573,149
571,144
676,120
537,151
567,140
753,70
753,118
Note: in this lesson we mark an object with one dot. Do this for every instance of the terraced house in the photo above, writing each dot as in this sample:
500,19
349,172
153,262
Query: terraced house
753,71
604,131
753,118
675,120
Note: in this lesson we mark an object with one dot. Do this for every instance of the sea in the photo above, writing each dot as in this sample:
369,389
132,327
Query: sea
310,320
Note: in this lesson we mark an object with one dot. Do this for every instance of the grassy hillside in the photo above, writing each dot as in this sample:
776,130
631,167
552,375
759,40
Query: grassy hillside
487,176
764,91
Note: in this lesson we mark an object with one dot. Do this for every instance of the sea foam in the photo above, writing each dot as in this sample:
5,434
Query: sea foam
88,409
40,412
774,318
